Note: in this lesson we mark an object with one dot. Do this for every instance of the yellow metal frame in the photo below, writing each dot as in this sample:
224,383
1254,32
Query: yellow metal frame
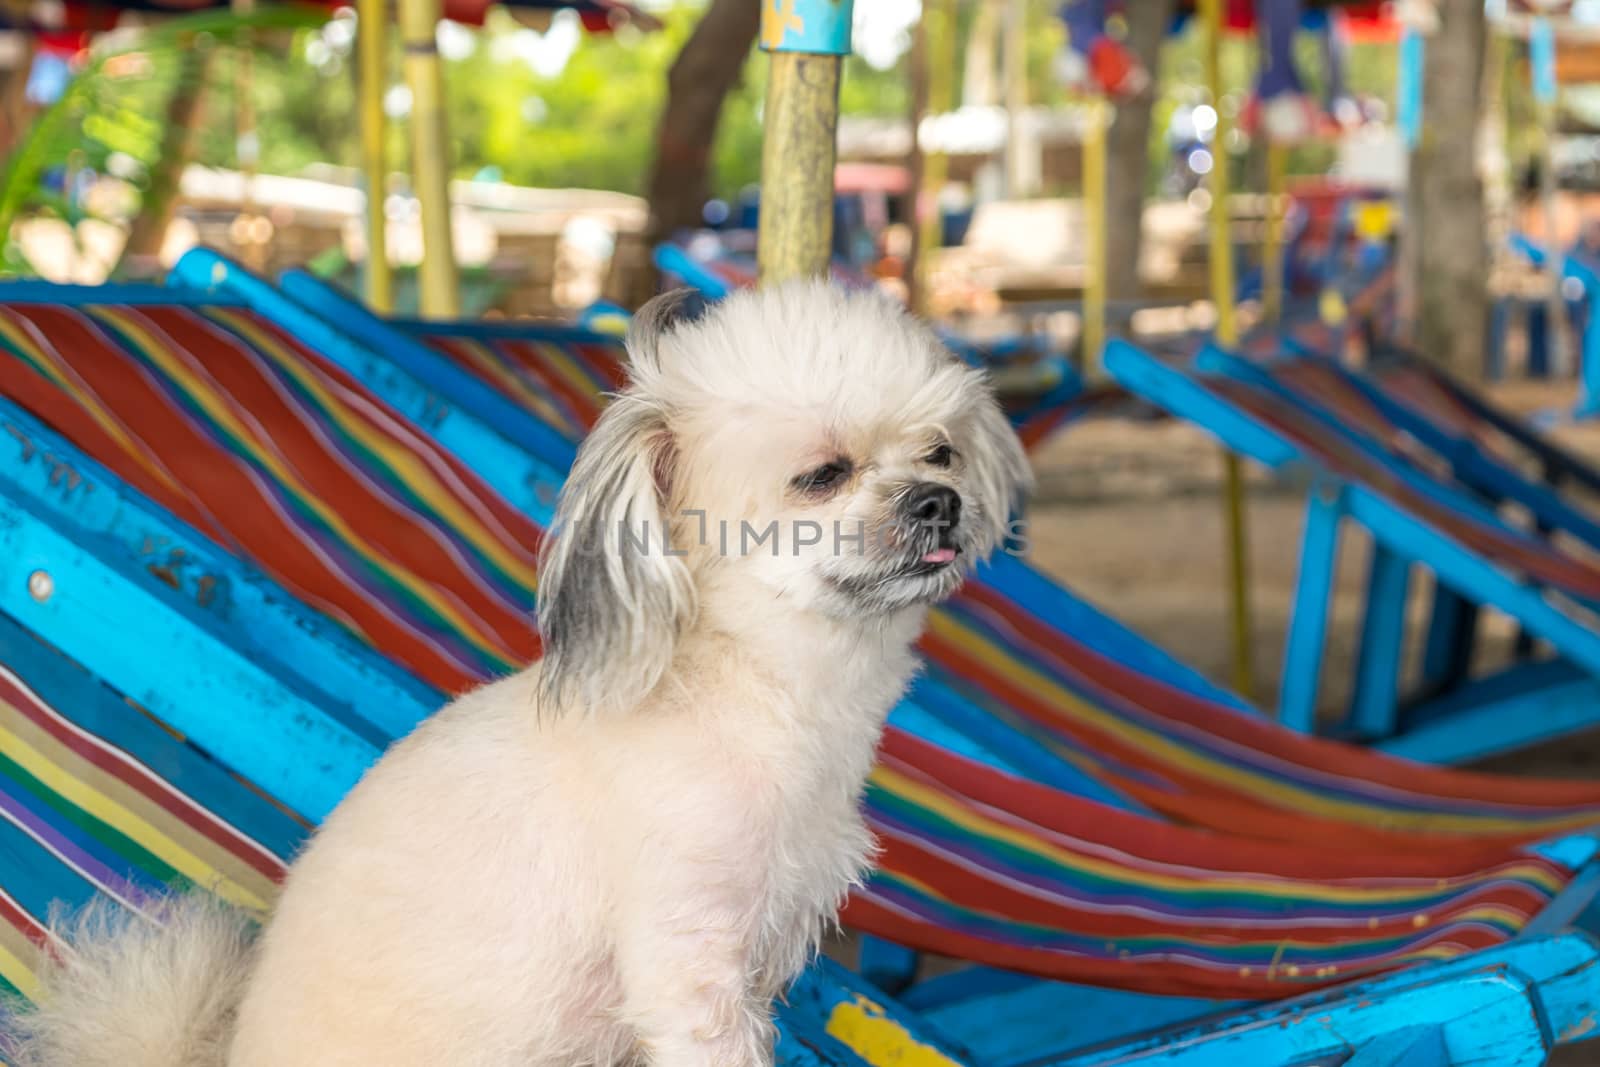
1094,211
372,44
1222,290
430,166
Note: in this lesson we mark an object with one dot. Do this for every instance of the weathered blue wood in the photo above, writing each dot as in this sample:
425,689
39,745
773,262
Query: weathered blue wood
528,482
1492,1016
431,368
36,292
159,648
860,1016
1016,1025
1180,393
670,259
1373,706
1308,625
888,966
1462,730
1415,1046
1473,576
96,510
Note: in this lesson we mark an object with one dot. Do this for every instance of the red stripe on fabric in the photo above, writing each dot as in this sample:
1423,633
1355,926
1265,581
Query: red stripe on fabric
142,780
1260,734
212,478
1396,854
983,892
400,535
1159,976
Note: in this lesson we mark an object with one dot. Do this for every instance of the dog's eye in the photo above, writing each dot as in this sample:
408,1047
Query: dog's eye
940,457
823,478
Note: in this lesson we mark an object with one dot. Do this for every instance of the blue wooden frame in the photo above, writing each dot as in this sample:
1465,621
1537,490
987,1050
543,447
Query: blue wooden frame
1577,268
311,723
1488,717
145,591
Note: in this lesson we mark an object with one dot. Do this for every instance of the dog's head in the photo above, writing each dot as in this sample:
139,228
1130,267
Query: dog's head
800,448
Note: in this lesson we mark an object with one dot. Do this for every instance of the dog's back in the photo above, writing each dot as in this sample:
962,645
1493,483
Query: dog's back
132,992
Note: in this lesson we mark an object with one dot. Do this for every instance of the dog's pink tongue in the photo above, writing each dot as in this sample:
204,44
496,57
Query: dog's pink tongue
940,555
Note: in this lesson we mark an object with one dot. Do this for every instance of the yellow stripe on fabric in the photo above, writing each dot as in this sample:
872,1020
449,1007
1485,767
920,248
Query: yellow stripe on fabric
871,1033
222,411
127,822
1252,783
565,364
73,766
416,475
22,975
51,367
933,800
489,363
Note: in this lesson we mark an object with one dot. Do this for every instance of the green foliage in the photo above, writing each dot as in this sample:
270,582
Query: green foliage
105,119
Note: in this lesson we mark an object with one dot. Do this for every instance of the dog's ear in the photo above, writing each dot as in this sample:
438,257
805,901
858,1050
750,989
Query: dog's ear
613,596
998,472
654,321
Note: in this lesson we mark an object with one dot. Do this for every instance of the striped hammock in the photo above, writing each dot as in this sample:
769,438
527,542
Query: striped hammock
1272,863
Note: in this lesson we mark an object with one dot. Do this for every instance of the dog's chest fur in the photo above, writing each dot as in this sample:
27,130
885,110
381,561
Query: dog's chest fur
800,745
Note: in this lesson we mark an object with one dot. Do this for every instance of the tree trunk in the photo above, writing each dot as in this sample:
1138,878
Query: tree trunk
1128,152
185,108
1452,260
701,77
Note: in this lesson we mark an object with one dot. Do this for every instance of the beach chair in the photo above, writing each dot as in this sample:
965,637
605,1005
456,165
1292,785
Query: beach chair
1422,514
1521,997
1518,813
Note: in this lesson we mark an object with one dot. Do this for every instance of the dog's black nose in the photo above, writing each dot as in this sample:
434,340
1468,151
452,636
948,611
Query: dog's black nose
934,505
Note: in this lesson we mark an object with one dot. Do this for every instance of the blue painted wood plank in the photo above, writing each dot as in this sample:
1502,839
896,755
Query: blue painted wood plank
1373,707
1415,1046
167,654
527,482
429,367
99,512
1463,730
1179,393
36,292
1012,1026
867,1021
1489,1017
890,967
1308,624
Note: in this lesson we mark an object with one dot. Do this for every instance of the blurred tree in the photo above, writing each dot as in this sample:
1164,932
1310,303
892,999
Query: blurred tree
707,68
1128,152
1451,251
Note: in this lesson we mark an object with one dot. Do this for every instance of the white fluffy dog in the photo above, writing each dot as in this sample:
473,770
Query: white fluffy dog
623,853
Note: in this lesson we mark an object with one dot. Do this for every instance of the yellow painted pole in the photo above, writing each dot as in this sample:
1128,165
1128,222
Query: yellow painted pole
939,45
1222,290
430,156
808,40
1272,253
247,141
1094,215
372,41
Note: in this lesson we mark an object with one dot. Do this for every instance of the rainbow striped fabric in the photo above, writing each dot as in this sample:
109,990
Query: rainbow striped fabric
1230,890
562,381
97,798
